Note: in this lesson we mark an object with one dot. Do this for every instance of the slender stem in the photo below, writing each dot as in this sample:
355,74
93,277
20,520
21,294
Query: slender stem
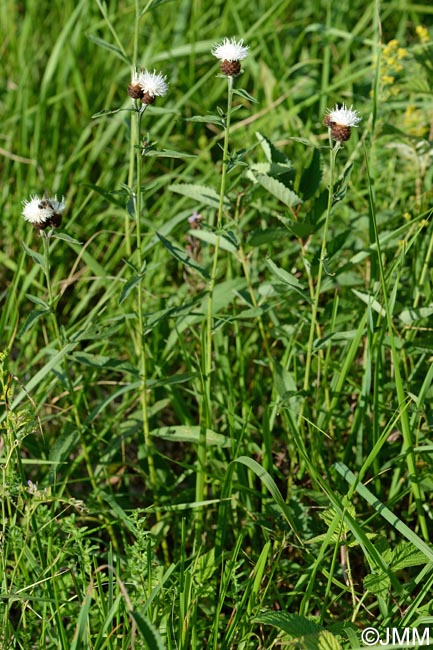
313,324
134,134
133,139
135,171
246,270
212,282
141,324
206,416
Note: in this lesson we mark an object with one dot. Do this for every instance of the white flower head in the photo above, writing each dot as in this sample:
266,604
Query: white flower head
230,50
340,121
43,212
146,86
343,116
152,83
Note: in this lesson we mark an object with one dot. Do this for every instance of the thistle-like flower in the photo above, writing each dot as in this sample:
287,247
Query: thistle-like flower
230,52
340,121
45,212
146,85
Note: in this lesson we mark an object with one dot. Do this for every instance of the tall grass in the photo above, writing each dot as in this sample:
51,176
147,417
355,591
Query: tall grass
216,375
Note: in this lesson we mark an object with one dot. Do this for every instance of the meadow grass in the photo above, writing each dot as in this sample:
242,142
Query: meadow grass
216,375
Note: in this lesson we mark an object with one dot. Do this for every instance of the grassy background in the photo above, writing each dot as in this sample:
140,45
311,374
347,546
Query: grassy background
317,472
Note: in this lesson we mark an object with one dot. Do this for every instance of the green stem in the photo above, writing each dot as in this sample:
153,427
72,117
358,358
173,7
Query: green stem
313,324
134,139
141,325
135,170
206,416
244,263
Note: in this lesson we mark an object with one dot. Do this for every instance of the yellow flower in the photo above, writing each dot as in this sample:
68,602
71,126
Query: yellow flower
390,46
422,33
414,122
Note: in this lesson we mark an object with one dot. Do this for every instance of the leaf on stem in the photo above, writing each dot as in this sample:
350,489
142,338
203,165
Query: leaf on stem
36,257
200,194
181,255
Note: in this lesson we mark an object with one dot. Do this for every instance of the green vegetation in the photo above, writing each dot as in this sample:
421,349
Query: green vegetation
216,377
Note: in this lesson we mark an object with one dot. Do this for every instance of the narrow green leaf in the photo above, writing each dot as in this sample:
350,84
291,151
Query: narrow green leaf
288,279
253,313
191,434
384,511
129,286
64,237
270,484
110,47
110,196
211,238
38,301
148,632
340,187
303,141
34,316
63,446
245,95
112,397
178,378
199,193
106,111
286,385
259,570
104,363
101,332
36,257
207,119
169,153
80,629
370,301
180,254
